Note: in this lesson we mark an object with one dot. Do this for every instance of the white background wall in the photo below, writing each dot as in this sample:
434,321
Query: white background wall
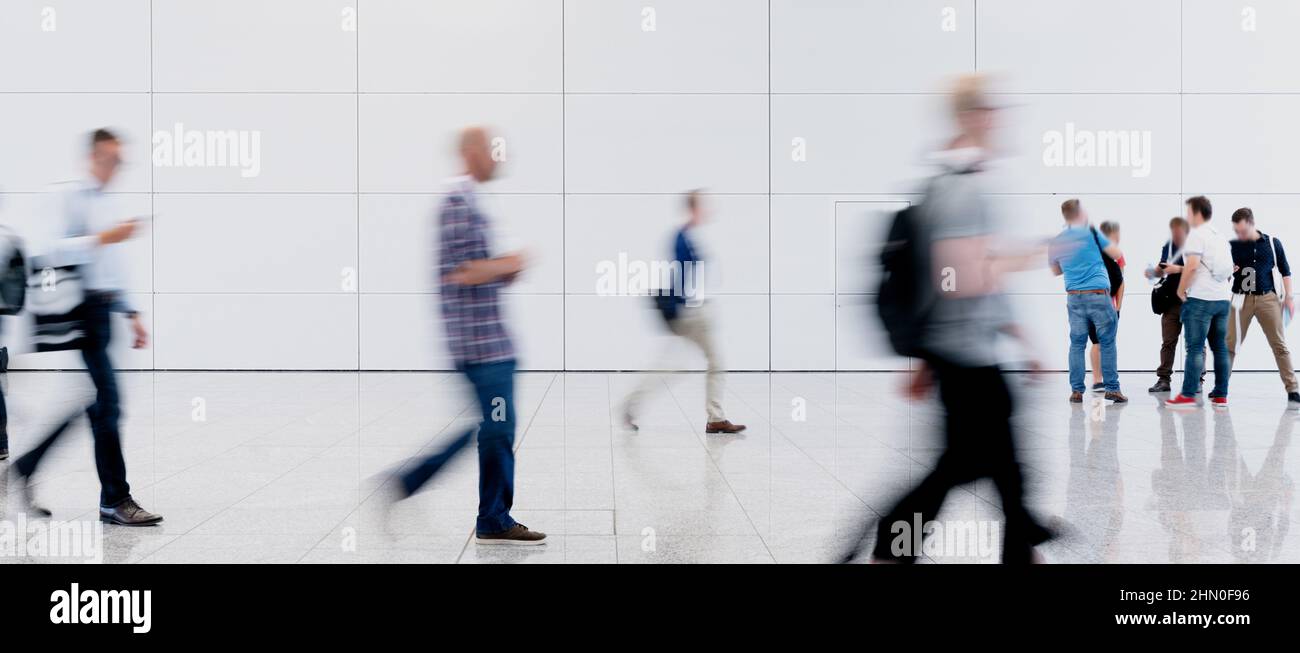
605,124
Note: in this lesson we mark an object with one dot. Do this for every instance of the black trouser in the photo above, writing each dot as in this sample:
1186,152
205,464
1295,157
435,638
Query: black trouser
104,414
4,410
980,444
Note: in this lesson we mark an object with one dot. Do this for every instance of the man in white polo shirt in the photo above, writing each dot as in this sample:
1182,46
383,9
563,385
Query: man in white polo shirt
1206,291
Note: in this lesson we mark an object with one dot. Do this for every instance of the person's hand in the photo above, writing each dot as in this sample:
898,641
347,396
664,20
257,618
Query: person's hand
141,334
919,384
457,277
1289,304
118,232
1182,294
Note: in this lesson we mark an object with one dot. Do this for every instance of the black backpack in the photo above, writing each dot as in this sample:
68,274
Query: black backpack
1113,270
904,297
13,274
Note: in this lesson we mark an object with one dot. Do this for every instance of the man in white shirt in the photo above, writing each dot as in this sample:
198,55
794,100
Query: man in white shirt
88,235
1206,291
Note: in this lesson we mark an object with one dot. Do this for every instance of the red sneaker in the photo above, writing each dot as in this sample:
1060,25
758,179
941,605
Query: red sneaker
1181,401
1219,402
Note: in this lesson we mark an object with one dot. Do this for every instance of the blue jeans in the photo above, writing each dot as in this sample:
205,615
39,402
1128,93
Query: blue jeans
1097,312
1202,319
494,387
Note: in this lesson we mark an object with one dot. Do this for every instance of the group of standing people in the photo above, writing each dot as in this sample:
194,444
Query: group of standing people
1210,290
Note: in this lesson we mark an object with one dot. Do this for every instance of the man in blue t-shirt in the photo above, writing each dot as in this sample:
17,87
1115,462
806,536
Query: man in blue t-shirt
1076,253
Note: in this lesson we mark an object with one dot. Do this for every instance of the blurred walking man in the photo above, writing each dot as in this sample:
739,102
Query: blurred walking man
88,234
1206,291
965,318
472,274
1256,297
692,322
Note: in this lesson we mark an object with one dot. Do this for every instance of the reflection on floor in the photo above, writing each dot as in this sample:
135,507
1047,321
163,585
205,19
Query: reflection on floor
288,467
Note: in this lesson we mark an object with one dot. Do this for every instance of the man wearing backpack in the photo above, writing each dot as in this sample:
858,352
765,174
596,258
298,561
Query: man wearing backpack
952,236
1206,291
1256,297
1079,254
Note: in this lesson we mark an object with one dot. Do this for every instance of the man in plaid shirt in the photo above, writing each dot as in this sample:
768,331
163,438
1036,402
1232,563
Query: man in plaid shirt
471,279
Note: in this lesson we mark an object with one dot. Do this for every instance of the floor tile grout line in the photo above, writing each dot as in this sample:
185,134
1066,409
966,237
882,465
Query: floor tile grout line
391,473
323,448
702,438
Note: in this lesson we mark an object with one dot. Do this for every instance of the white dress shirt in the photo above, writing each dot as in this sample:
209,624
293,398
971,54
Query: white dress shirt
78,212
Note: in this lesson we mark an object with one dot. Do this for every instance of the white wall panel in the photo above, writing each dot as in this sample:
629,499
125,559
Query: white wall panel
1048,139
1081,46
305,143
1241,143
1241,46
74,45
256,243
230,331
46,138
846,46
803,332
252,45
681,46
408,142
853,143
421,46
665,143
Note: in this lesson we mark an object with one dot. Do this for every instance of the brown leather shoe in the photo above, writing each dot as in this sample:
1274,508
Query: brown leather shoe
128,513
518,535
1076,397
725,426
1116,397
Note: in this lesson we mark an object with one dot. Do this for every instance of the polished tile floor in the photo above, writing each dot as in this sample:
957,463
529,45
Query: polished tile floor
291,467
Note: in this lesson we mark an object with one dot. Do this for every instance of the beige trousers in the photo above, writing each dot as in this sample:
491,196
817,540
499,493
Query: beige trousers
1267,310
694,324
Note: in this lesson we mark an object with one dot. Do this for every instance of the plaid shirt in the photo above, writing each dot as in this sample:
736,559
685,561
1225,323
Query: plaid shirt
471,314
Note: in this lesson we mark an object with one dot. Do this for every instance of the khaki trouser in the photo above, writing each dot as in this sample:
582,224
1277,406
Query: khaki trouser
1267,310
692,323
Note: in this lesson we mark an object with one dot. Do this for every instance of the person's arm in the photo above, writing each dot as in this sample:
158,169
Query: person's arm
1119,297
63,250
454,245
487,270
1284,267
1191,264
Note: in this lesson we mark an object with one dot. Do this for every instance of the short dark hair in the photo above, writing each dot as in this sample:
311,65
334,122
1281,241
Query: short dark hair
102,135
1109,227
1070,208
1179,222
1201,205
1243,214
